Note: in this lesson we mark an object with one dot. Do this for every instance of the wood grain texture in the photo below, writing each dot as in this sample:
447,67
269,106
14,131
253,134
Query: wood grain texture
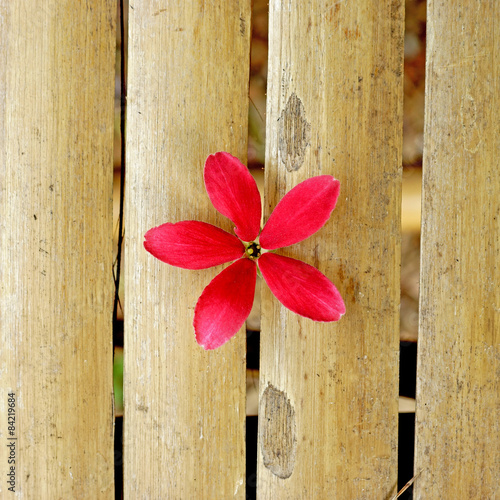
56,285
335,107
458,389
187,98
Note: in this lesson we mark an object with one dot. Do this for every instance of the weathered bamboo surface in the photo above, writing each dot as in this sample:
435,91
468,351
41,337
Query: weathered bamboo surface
458,388
187,98
329,392
56,284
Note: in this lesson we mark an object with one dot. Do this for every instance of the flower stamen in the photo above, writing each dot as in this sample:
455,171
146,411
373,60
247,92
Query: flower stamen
253,250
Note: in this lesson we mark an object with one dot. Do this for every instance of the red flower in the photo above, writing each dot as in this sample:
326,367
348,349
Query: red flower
226,302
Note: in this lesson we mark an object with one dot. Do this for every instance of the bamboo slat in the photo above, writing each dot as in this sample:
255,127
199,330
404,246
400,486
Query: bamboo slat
329,392
187,98
56,285
458,389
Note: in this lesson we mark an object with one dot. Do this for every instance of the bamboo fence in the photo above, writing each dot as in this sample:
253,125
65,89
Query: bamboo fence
328,409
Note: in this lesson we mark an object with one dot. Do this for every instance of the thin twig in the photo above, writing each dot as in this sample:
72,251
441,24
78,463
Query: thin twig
256,108
123,103
407,485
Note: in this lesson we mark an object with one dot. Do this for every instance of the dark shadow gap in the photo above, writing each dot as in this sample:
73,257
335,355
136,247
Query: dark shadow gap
118,325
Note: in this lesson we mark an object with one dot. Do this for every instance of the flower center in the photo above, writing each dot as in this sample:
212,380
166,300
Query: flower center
253,250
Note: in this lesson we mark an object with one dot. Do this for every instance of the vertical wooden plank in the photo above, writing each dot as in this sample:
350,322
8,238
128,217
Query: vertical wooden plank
56,164
458,389
187,98
331,390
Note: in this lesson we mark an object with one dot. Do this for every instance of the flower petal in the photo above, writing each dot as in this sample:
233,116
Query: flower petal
301,288
233,192
225,304
192,244
301,212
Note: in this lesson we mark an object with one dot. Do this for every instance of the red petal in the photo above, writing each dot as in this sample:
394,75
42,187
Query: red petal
301,288
301,212
233,192
225,304
192,244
